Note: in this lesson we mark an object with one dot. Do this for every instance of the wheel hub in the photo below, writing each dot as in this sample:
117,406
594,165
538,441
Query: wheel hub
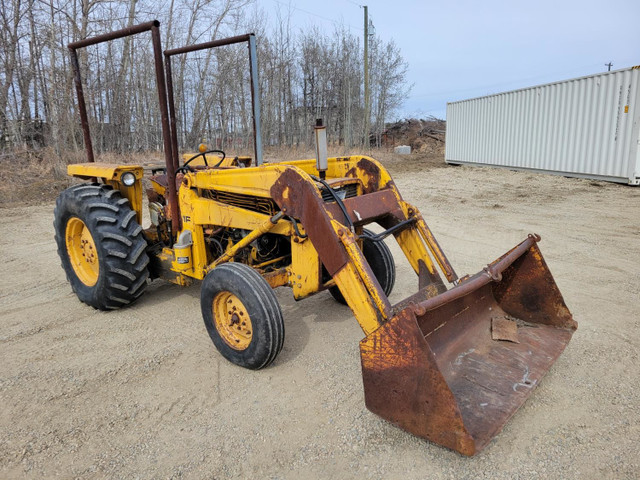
82,252
232,320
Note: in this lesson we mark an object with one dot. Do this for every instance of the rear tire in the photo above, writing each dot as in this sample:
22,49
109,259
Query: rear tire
381,262
242,315
101,246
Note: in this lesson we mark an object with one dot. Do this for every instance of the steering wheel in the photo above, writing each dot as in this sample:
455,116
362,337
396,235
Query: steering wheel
186,168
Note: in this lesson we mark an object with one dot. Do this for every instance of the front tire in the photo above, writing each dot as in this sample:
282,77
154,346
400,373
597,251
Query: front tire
242,315
382,264
101,246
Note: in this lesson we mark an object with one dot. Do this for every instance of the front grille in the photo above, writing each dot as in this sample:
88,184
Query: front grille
344,191
249,202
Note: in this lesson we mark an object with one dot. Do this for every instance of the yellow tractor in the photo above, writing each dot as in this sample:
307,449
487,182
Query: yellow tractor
448,364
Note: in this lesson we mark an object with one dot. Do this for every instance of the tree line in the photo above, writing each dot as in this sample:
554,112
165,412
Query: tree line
304,74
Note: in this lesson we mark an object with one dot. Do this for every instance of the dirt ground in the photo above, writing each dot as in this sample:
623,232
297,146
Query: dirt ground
142,393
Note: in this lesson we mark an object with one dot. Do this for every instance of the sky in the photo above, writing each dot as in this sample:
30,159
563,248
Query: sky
465,49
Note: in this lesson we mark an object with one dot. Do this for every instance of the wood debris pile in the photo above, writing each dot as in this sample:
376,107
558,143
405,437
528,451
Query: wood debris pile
423,135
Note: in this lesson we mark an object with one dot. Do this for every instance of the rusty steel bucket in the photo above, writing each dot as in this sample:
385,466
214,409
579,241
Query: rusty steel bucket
454,368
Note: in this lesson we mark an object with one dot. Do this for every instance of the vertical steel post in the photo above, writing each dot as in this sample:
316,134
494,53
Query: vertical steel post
366,76
174,211
255,98
82,107
172,112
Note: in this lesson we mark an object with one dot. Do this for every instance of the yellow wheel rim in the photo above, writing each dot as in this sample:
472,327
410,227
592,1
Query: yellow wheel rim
232,320
82,252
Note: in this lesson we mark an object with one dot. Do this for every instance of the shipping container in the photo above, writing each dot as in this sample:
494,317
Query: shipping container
584,127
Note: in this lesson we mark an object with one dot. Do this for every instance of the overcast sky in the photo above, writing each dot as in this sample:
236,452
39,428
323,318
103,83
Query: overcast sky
465,49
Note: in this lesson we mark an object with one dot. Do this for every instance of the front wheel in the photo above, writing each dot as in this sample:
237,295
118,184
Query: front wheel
242,315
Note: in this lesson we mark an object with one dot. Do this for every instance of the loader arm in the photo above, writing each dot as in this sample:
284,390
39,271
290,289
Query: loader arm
331,230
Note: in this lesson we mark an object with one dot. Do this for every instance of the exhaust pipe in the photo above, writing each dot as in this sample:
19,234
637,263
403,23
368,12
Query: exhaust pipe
322,162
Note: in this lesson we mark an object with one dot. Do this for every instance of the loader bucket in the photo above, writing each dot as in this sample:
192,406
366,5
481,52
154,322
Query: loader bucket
454,368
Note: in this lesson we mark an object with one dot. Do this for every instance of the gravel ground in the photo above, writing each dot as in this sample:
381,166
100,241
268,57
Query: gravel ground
142,393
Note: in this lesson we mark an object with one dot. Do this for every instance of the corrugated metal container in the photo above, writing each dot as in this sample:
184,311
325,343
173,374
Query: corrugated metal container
584,127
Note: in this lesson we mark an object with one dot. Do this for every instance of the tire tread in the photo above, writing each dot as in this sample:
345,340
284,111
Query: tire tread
118,237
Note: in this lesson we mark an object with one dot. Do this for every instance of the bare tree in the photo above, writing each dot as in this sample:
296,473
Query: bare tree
388,83
304,75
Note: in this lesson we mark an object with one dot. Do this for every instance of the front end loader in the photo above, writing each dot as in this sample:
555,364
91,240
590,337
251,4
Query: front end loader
450,364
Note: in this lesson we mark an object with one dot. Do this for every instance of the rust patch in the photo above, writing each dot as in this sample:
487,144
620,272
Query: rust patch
300,199
153,196
529,292
403,384
431,281
503,328
368,172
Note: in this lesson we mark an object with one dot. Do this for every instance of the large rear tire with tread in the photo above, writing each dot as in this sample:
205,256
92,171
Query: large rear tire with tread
381,262
101,246
242,315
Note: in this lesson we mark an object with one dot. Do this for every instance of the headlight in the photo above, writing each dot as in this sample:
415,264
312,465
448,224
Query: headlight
128,179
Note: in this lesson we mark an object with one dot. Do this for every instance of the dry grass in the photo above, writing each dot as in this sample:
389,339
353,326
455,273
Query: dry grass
32,176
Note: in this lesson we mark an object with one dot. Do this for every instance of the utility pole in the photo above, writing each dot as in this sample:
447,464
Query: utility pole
608,65
366,75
